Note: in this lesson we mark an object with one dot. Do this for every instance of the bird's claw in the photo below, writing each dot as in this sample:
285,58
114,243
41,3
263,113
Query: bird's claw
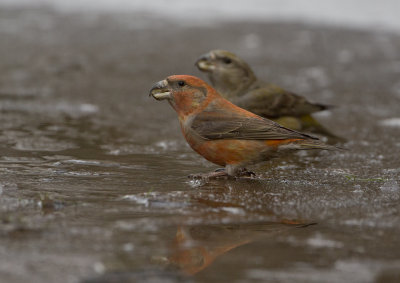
245,173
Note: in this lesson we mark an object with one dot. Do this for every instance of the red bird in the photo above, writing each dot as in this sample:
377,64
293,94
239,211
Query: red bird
224,133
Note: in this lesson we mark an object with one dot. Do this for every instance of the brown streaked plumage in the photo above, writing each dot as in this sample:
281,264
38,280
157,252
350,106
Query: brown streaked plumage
222,132
234,79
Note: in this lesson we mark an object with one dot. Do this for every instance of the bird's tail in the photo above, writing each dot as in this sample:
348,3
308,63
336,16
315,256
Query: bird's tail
316,144
323,107
309,124
304,144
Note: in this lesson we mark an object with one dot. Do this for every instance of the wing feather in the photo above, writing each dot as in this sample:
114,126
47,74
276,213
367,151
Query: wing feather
215,124
271,101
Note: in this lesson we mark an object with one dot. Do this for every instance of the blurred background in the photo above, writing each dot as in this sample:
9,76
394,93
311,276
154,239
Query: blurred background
93,172
354,13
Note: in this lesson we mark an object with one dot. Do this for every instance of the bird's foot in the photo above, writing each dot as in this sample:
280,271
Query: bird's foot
217,174
245,173
221,173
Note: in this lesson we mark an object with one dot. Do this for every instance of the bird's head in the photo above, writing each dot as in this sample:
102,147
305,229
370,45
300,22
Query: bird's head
227,72
186,94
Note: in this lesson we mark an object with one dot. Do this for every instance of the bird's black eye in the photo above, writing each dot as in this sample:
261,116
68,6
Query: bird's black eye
227,60
181,83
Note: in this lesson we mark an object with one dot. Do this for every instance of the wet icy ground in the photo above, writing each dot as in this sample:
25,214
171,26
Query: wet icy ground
93,172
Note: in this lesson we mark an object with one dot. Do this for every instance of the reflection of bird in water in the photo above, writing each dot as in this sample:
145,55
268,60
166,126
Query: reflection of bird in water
235,80
192,257
197,247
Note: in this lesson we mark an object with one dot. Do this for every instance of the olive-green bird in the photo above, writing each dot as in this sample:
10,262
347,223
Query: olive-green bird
235,80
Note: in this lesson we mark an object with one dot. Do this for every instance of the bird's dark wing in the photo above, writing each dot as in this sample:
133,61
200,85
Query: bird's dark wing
271,101
215,124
